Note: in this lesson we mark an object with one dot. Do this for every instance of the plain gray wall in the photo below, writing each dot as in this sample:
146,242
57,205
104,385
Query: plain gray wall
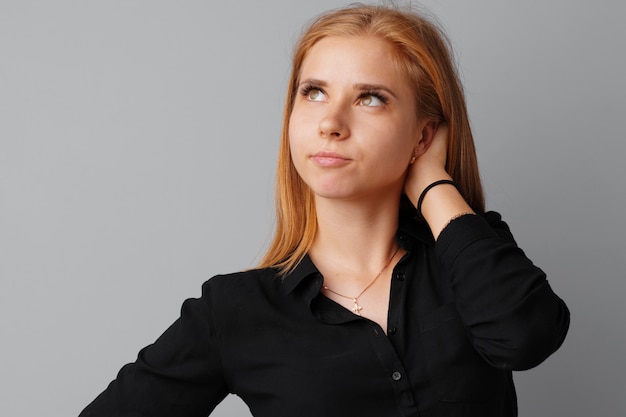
137,149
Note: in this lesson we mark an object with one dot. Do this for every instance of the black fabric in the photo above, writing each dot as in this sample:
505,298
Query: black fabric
464,312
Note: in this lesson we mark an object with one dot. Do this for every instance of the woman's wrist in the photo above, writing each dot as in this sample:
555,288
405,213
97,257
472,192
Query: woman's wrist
439,202
420,178
420,199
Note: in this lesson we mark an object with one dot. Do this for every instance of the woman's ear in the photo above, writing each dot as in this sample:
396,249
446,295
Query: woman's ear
427,133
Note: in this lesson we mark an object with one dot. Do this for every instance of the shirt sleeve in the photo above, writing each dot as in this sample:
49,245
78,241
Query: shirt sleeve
179,375
514,319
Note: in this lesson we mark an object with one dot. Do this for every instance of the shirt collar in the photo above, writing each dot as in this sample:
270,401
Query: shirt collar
409,231
303,270
415,230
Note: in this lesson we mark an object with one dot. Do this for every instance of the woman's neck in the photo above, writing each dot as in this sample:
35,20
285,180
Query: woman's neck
354,237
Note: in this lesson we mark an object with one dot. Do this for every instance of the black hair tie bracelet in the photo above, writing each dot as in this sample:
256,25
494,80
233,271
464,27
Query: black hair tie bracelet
420,200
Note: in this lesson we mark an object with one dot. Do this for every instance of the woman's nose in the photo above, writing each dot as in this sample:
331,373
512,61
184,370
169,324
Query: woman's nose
334,124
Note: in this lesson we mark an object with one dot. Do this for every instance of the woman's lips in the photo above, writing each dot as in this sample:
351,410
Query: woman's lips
329,159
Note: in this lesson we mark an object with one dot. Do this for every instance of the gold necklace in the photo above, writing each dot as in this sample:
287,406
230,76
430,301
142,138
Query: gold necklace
357,308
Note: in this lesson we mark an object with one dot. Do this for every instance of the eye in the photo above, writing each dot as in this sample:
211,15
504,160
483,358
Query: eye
315,95
372,100
312,93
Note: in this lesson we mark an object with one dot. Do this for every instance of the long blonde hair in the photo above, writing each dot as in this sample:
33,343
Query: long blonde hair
421,51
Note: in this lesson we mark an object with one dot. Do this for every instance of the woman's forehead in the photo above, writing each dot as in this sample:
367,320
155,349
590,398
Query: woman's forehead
364,59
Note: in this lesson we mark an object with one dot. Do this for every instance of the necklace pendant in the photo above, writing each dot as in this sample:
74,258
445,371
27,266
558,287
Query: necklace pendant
357,308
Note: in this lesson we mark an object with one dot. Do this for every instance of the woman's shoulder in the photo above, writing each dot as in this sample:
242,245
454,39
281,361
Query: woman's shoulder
238,300
242,280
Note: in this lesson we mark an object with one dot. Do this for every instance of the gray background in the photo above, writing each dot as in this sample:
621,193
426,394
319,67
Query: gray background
137,152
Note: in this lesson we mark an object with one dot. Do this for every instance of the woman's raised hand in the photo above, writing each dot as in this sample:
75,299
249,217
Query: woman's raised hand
443,202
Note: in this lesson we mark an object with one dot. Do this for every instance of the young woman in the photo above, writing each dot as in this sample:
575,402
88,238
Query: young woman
388,290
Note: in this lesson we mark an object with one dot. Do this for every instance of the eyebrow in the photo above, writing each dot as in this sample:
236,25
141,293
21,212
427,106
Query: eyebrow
373,87
356,86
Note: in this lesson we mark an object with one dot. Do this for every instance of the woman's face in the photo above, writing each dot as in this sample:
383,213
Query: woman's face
353,127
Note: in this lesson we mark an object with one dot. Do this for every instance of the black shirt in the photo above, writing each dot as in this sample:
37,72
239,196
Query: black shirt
463,313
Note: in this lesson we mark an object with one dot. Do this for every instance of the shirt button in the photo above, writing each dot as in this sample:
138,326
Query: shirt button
392,330
400,276
396,376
